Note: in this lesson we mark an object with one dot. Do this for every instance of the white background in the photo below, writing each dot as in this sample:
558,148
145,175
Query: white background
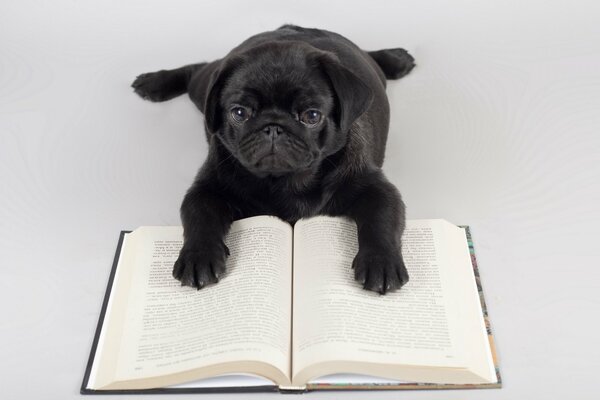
497,127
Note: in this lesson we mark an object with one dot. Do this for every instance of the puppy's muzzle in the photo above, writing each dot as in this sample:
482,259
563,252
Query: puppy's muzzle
272,131
274,150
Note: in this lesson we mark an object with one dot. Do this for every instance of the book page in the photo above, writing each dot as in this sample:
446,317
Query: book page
225,381
337,324
174,332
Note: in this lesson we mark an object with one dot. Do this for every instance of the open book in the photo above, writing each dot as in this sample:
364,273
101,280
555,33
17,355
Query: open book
289,315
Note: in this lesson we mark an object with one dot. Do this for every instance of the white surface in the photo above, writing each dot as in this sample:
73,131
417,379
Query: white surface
498,127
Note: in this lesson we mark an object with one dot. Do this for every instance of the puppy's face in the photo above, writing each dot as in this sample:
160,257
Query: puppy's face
277,118
278,110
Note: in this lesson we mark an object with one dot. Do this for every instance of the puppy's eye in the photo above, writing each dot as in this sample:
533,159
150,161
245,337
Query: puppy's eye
310,117
240,114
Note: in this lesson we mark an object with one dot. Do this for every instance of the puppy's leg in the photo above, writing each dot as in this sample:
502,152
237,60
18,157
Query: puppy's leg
206,217
379,213
395,63
165,84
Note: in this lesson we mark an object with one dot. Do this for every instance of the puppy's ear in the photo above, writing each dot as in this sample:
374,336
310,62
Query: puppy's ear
354,96
210,104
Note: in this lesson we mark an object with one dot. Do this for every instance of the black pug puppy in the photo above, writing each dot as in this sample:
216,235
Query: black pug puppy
297,121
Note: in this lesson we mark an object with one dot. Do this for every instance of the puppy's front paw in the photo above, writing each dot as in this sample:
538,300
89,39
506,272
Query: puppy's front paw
379,269
201,265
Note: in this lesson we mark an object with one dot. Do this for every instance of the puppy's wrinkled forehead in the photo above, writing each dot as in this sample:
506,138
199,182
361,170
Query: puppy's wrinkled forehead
278,75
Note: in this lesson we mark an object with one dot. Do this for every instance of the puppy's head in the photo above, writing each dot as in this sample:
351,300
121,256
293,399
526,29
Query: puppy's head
282,107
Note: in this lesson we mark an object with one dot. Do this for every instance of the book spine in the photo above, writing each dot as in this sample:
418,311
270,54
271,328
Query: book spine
292,389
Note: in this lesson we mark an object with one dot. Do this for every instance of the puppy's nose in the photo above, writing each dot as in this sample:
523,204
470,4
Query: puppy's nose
272,130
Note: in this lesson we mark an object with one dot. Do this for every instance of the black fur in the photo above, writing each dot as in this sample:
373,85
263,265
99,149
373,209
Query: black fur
275,164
